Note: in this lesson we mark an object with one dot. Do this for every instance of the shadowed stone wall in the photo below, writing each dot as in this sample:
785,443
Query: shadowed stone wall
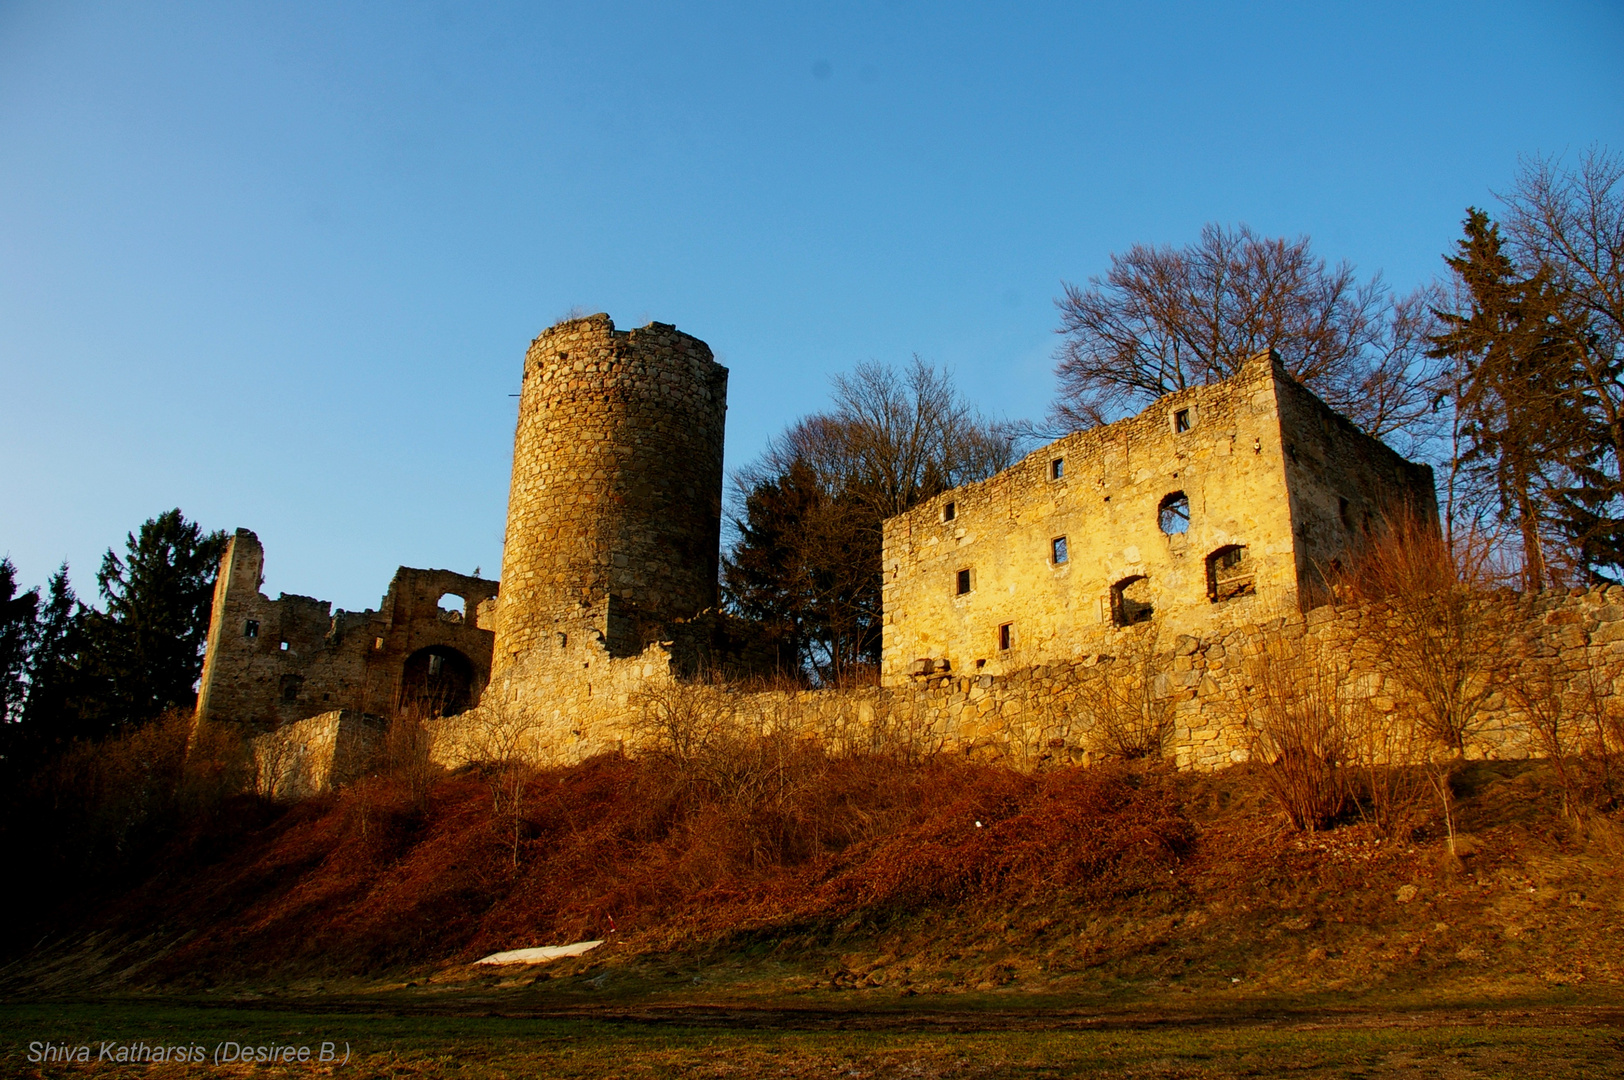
274,662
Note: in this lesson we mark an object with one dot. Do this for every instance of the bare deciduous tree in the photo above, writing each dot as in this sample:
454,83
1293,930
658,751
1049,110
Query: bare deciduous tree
1164,319
806,562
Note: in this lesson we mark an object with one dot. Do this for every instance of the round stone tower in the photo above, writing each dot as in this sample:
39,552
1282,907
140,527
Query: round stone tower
614,516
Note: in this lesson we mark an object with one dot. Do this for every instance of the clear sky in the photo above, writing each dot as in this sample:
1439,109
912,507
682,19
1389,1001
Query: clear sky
278,263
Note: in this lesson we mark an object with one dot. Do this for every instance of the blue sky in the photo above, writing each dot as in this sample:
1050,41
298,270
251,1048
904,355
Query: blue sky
278,264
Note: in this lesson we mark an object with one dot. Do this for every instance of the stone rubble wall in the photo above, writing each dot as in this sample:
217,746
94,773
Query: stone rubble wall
1044,713
316,754
616,498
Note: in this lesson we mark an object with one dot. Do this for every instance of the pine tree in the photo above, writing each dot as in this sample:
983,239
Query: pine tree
1518,418
144,652
55,684
18,632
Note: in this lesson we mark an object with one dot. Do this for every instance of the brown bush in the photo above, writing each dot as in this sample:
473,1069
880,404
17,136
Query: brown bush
1127,700
1298,709
620,841
1578,724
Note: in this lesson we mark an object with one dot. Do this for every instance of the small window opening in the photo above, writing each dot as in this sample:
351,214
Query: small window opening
1006,635
452,607
980,664
290,685
1342,512
950,511
1057,469
1173,515
1130,601
1057,550
283,645
377,643
436,662
563,639
961,583
1181,420
1230,574
250,629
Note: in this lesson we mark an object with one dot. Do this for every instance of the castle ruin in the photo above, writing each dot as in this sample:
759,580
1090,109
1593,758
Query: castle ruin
1218,507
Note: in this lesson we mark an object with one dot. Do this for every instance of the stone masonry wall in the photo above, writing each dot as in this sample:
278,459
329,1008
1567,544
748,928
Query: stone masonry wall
615,507
1042,712
269,663
316,754
1267,484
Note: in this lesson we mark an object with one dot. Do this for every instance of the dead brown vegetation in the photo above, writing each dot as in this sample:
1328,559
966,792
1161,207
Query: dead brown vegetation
1128,701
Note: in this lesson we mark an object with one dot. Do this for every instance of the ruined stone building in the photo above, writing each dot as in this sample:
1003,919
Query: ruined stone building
1216,507
613,536
269,663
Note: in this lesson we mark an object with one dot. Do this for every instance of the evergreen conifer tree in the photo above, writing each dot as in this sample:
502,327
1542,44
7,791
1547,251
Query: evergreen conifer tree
144,652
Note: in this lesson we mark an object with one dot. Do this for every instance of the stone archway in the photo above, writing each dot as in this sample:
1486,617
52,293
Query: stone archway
437,681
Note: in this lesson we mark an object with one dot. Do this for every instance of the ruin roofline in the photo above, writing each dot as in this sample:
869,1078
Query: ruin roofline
1119,428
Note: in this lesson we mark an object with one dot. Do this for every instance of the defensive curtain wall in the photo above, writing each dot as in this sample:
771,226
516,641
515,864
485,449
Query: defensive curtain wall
1199,687
1212,508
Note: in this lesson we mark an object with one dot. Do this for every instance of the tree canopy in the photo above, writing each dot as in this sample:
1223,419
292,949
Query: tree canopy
805,565
1167,318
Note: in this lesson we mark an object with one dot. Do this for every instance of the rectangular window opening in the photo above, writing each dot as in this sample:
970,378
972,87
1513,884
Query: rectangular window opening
1057,550
250,629
1057,469
1181,420
1006,635
961,583
377,643
950,511
284,645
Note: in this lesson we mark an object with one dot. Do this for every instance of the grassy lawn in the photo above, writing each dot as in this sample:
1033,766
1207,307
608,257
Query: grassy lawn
983,1038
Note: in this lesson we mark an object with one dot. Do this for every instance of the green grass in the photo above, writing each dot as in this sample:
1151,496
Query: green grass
987,1039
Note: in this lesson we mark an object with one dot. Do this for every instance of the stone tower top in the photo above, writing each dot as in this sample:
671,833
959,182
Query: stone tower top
614,515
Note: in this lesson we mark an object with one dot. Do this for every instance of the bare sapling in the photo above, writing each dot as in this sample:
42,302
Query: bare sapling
1576,723
1129,705
1383,748
1445,639
406,754
502,733
1297,708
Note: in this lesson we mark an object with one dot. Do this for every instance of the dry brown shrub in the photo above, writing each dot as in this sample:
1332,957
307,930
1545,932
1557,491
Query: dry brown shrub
405,755
1444,636
1578,723
1384,752
501,736
749,758
1298,709
1127,700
